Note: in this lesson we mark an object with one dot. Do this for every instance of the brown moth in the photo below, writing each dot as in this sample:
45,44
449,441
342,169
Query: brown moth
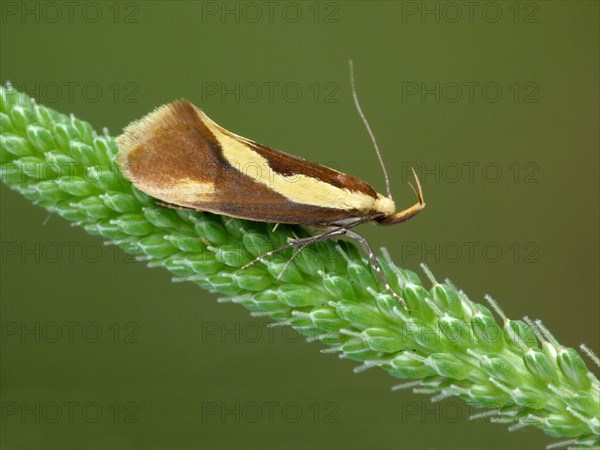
180,156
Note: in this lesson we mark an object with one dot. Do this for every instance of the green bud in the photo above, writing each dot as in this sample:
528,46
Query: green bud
383,340
130,246
284,272
268,301
311,261
487,331
202,282
212,231
94,207
104,178
16,145
541,366
64,134
156,246
426,311
67,211
123,203
83,153
161,217
487,396
359,315
44,116
141,197
359,351
6,125
519,333
483,310
175,265
410,277
304,327
324,315
447,298
447,365
563,425
550,350
339,287
134,224
501,369
326,321
48,191
77,186
233,255
104,149
414,296
9,97
361,277
406,366
21,116
329,337
41,139
584,402
64,163
222,283
529,398
105,228
573,368
257,244
455,332
85,131
204,263
234,227
33,167
423,334
388,306
252,279
185,242
296,295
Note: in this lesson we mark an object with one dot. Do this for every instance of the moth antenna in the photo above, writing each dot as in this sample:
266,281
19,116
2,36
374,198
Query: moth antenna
364,119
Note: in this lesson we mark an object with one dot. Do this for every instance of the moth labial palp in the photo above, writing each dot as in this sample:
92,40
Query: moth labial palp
179,156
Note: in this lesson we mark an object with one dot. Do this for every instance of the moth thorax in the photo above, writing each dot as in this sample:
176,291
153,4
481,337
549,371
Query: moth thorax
384,205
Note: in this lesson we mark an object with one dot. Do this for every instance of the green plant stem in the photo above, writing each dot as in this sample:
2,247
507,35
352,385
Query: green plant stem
448,344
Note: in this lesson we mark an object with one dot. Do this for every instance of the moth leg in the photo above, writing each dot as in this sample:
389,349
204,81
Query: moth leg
301,242
357,237
296,253
275,227
329,235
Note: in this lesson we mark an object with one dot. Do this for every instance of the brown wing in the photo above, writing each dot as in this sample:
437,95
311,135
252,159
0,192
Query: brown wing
178,155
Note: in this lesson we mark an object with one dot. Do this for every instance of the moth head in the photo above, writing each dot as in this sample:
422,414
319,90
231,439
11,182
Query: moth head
384,205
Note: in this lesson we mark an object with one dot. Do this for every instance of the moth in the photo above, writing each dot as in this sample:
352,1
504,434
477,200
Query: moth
178,155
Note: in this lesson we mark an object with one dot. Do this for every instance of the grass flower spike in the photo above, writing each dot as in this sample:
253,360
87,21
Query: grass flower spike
444,344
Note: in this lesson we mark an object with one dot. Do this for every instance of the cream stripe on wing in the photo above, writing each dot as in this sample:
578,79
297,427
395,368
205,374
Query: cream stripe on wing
297,188
184,192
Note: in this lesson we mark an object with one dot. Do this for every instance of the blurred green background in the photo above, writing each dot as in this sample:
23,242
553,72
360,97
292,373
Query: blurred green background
496,105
